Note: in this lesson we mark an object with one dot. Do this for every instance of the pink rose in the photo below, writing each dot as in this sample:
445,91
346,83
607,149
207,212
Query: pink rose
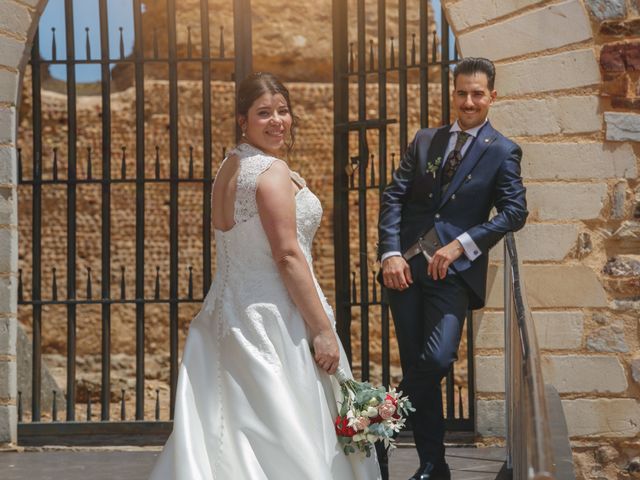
361,423
387,409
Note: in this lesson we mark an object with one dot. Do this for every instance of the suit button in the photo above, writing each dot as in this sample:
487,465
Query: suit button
437,215
431,195
453,197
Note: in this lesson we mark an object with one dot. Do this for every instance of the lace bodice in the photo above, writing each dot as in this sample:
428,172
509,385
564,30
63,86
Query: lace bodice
246,271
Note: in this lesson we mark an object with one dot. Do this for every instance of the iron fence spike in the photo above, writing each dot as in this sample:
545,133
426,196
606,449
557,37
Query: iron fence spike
121,44
123,293
20,287
221,41
54,49
157,286
157,162
87,42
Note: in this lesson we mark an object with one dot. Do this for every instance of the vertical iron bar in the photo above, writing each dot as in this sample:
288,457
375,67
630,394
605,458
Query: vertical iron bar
242,42
363,154
105,293
173,200
36,233
140,205
402,73
339,12
444,68
450,392
471,381
424,63
71,209
382,173
206,147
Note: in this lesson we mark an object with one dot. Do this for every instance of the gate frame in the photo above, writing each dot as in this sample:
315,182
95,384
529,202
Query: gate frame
105,432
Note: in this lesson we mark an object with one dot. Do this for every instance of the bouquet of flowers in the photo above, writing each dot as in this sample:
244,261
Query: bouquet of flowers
368,414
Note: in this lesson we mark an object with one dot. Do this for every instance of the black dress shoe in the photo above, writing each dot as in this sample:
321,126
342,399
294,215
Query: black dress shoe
429,471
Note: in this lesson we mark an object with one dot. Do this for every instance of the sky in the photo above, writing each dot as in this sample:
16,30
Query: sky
120,14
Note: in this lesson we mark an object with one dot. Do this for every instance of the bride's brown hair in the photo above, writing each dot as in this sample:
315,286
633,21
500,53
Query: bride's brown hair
256,85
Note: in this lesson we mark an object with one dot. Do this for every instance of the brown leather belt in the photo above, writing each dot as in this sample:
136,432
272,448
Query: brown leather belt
427,244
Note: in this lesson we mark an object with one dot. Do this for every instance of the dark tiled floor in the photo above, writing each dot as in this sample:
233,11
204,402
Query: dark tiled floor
465,463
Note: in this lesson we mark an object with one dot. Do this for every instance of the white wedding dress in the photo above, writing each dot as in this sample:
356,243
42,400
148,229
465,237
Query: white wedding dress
251,404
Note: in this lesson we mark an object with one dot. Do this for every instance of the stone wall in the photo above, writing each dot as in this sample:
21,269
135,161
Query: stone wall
568,82
16,28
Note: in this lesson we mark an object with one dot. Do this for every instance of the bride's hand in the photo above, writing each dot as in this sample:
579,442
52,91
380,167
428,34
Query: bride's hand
326,351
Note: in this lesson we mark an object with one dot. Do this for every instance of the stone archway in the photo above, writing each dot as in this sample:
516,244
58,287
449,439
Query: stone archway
17,28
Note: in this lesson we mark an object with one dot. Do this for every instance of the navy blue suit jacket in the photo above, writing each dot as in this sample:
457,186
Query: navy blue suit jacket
489,176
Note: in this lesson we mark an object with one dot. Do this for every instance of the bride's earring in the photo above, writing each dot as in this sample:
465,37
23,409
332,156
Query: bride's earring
244,134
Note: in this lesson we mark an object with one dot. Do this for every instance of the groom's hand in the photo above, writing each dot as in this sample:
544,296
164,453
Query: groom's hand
396,273
445,256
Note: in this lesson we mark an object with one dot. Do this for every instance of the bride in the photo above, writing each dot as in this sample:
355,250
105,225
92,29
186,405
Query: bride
253,402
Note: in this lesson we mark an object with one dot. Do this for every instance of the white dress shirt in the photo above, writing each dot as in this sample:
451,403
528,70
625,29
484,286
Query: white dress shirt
471,250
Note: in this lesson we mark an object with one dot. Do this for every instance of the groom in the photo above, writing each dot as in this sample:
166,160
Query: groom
435,235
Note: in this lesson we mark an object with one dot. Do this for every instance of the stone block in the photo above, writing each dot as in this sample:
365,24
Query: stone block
541,242
618,417
551,286
566,201
635,369
622,127
8,86
619,198
584,374
8,252
489,373
8,209
8,165
549,27
8,336
607,9
577,68
578,161
8,295
621,29
616,86
14,18
8,424
490,419
469,13
612,57
11,52
632,55
627,103
609,338
549,116
554,330
7,125
8,379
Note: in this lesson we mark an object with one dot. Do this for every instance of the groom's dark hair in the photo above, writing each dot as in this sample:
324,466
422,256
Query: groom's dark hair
471,65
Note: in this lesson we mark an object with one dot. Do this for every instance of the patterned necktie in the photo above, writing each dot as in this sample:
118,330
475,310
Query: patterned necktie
454,159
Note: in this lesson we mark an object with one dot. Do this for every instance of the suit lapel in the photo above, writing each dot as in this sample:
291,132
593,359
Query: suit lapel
435,157
485,138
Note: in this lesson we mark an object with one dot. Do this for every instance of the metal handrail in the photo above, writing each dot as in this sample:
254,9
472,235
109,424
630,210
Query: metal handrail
532,452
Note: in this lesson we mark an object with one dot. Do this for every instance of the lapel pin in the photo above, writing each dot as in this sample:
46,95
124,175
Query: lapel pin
486,140
469,177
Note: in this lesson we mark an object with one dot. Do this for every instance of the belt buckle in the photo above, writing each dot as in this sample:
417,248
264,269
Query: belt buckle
424,250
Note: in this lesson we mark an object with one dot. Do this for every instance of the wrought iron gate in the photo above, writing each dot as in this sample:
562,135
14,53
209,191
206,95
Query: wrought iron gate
68,168
390,78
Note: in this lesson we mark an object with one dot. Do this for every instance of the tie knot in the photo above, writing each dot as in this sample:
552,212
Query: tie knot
461,140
